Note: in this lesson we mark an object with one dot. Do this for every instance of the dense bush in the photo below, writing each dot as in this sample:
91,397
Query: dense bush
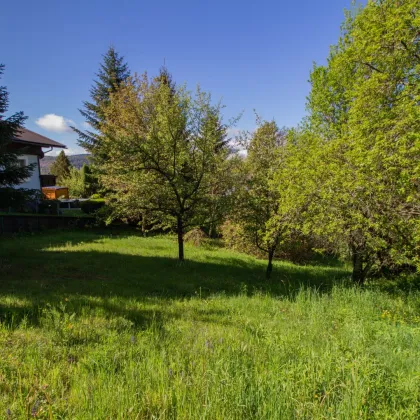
296,248
196,236
235,237
19,200
92,206
49,207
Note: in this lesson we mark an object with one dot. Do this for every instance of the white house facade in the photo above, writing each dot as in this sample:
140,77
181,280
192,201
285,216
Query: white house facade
31,145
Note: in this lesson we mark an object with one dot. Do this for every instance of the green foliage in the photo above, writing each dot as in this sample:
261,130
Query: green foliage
257,197
124,331
92,206
49,207
61,168
11,173
351,173
19,200
164,159
293,247
81,182
74,183
236,238
112,74
196,237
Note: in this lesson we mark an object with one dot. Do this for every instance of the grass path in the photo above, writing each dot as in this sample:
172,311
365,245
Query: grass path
96,327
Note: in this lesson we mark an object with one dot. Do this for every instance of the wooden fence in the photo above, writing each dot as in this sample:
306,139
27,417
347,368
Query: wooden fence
35,223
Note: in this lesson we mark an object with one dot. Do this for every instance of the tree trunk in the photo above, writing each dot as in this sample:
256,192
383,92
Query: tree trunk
180,232
270,264
211,230
143,224
358,275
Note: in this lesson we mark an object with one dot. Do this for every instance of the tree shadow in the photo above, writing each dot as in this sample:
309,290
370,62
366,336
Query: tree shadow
100,280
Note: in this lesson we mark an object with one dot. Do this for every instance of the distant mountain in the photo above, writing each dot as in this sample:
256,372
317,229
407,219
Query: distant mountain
76,160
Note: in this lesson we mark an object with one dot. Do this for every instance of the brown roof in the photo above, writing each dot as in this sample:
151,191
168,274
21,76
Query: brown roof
29,137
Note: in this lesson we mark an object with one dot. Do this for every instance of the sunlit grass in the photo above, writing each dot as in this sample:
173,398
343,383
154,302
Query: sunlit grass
114,327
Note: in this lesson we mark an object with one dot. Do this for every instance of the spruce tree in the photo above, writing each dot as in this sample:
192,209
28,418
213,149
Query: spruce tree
112,74
61,167
11,173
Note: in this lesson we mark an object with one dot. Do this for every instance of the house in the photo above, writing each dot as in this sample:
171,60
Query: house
31,145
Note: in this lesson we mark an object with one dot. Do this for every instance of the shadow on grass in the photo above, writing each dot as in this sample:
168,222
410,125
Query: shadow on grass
33,277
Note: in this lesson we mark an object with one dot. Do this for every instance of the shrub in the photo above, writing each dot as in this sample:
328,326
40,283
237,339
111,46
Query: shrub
234,237
19,200
49,207
92,206
296,248
196,236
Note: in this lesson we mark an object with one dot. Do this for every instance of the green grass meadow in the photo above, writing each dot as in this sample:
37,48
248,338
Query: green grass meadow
114,327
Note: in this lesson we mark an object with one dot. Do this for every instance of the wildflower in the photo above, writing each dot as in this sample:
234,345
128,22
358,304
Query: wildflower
9,412
133,339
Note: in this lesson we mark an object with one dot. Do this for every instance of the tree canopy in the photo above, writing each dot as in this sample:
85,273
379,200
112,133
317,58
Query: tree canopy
164,156
61,167
113,72
257,197
354,166
11,173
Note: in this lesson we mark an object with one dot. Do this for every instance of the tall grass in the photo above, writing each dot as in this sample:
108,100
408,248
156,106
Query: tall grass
114,328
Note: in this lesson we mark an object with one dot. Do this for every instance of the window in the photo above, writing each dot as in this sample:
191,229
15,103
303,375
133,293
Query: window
22,162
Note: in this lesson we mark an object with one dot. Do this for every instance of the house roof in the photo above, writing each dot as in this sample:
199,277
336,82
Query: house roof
29,137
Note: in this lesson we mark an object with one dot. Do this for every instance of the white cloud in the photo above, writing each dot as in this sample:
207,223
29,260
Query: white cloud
55,123
69,151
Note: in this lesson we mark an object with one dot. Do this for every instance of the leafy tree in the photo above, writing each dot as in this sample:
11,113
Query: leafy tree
61,167
258,198
11,173
81,182
112,74
162,159
353,170
74,182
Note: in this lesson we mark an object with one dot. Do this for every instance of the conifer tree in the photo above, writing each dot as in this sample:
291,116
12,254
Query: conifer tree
11,173
112,74
61,167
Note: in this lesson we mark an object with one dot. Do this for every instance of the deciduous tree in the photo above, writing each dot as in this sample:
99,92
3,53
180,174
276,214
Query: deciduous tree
162,155
258,197
354,171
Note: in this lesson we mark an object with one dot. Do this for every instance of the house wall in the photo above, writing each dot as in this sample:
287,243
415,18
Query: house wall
33,182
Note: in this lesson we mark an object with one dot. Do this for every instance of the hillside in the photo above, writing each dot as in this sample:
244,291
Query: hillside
76,160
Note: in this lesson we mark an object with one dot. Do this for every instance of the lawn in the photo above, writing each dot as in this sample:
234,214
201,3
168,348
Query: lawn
113,327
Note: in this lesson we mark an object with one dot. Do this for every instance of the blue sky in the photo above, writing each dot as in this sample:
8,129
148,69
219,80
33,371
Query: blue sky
250,54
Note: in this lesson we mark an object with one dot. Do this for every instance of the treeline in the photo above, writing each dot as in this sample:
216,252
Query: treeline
82,183
346,180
